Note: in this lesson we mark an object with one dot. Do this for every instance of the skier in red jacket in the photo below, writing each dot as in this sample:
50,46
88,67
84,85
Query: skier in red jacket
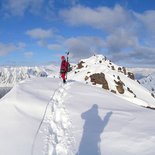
63,68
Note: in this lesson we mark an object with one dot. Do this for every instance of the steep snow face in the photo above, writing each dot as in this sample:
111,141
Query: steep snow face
98,70
149,82
12,75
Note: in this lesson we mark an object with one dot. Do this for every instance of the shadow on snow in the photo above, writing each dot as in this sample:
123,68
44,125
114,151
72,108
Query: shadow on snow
92,129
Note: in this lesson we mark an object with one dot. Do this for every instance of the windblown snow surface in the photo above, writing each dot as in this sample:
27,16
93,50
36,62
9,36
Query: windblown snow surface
80,120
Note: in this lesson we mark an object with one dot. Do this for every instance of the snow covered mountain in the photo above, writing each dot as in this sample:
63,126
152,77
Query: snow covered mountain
99,71
149,82
142,72
9,76
72,119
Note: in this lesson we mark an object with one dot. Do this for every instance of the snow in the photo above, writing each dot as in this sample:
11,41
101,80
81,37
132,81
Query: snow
100,64
42,116
21,111
149,82
9,76
80,119
142,72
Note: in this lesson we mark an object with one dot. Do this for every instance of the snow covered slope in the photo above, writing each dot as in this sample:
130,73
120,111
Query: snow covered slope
21,112
98,70
80,120
149,82
12,75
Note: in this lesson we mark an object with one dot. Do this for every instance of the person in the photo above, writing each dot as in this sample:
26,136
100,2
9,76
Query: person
63,69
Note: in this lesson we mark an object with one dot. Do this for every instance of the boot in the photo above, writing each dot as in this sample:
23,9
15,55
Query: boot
64,81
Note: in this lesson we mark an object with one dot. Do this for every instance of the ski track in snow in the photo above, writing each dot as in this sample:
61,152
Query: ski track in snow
59,139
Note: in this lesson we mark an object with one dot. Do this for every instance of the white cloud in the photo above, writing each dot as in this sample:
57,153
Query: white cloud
8,48
39,33
128,36
29,54
101,17
82,46
119,40
45,8
19,7
148,19
55,47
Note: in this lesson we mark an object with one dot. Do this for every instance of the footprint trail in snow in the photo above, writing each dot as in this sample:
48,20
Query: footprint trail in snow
59,139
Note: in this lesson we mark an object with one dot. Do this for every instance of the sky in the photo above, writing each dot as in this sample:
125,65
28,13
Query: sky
37,32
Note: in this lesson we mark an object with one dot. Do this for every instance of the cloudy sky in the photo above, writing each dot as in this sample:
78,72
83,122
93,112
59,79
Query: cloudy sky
36,32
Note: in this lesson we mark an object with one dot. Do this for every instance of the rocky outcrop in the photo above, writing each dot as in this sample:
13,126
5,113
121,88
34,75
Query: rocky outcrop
131,76
131,91
124,70
99,78
80,65
120,69
152,95
113,91
86,78
119,86
112,67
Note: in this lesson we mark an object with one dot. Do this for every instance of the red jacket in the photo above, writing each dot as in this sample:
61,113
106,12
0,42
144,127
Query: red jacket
64,66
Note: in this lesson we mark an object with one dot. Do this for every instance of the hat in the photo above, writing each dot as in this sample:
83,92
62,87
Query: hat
62,58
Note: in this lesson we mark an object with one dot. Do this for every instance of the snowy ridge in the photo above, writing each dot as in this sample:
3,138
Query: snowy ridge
9,76
58,130
98,70
81,119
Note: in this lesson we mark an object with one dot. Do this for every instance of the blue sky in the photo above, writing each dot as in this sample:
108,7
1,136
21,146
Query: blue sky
36,32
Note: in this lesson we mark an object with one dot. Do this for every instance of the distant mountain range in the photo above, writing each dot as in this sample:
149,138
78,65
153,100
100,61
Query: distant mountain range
12,75
149,82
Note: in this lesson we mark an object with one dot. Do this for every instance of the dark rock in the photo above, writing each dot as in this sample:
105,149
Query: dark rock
119,86
129,90
99,78
113,91
119,69
86,78
124,70
80,65
131,75
118,78
112,67
152,108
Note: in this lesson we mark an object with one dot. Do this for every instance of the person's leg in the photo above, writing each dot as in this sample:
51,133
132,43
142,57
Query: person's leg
63,77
